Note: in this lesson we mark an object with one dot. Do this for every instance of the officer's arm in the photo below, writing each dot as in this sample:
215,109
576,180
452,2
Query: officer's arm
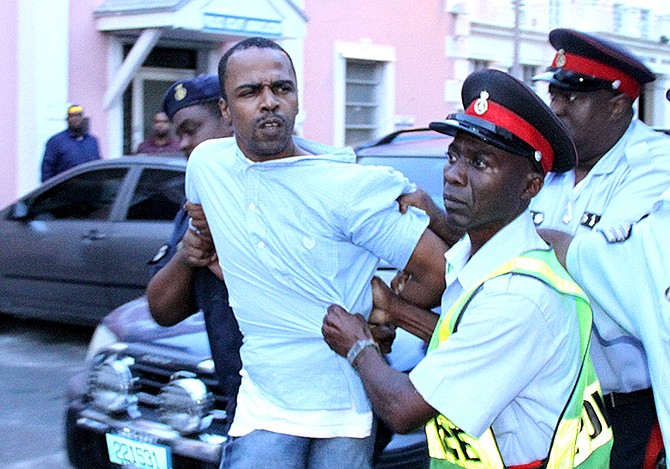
393,396
49,160
169,292
424,272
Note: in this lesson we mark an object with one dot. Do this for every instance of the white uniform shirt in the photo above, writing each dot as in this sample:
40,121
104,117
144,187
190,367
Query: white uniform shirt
631,281
620,188
515,357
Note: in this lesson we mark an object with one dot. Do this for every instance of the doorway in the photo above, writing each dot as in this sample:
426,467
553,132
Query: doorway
147,91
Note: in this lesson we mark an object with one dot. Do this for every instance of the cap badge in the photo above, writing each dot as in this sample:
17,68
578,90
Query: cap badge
560,58
482,104
179,92
538,155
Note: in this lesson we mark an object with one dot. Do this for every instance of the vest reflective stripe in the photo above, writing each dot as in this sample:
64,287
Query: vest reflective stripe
583,437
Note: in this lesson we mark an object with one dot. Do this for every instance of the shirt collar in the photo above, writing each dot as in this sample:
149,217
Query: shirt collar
610,160
319,151
514,239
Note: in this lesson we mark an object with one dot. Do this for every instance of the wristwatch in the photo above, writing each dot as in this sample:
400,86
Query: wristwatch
358,347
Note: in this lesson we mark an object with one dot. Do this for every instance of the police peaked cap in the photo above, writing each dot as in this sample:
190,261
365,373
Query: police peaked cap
184,93
505,113
587,63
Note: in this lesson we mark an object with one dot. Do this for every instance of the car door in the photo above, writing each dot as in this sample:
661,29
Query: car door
51,264
144,225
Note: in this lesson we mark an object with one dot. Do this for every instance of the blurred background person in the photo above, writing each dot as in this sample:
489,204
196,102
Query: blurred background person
161,140
71,147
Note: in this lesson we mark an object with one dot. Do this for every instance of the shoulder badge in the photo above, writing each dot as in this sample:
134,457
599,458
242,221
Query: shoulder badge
482,104
179,92
589,219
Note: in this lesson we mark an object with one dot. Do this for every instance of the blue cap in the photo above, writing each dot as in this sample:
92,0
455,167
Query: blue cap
185,93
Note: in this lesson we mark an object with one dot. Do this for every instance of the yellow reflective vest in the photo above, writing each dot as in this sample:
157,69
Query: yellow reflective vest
582,438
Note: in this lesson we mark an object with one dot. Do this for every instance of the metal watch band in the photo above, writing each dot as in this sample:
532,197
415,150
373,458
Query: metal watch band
358,347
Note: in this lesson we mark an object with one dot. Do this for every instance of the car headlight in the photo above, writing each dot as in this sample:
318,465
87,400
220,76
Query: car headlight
110,385
186,404
102,338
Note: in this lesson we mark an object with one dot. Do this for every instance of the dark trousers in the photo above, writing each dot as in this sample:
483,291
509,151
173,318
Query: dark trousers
633,415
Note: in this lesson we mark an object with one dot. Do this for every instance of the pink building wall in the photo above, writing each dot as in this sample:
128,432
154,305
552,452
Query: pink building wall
8,77
416,29
88,67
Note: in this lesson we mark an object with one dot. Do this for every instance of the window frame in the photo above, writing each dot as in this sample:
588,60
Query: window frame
366,52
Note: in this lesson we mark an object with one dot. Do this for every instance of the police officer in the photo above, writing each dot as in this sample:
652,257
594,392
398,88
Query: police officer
623,166
507,371
183,282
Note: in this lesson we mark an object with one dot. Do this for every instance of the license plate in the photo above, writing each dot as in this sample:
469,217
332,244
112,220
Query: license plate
127,452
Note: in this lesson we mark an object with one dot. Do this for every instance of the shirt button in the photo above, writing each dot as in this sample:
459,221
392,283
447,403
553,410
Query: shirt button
261,244
252,206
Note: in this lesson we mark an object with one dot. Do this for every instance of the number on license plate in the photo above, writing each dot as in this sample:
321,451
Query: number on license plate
133,453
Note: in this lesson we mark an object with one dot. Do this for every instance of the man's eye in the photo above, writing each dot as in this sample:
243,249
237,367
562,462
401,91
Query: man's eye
479,163
451,158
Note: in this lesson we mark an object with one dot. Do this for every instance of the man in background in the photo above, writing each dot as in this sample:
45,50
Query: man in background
161,141
71,147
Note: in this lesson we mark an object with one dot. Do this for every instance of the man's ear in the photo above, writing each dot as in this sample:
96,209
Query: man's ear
534,183
620,105
225,111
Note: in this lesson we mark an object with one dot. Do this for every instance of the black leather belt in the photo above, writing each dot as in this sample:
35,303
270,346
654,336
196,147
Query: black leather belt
616,399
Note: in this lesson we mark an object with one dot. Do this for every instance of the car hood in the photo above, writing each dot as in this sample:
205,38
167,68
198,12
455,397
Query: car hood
132,322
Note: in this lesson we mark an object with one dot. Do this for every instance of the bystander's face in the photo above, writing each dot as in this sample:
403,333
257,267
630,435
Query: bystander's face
587,115
161,124
197,123
262,102
75,122
485,188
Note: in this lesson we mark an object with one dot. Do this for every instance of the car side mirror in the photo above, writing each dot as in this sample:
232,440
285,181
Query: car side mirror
19,211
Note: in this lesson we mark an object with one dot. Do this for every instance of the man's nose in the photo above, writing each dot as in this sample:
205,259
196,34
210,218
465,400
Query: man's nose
269,99
455,173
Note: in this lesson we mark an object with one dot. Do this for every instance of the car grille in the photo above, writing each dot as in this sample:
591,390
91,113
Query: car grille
152,375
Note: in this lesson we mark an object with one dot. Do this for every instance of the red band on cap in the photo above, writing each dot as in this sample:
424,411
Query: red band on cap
575,63
506,119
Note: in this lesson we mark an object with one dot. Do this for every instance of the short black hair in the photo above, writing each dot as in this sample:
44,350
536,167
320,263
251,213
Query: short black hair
261,43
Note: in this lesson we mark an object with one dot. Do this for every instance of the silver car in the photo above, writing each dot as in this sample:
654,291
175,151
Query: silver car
77,247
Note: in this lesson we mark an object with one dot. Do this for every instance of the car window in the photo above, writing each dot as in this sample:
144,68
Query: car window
87,196
158,196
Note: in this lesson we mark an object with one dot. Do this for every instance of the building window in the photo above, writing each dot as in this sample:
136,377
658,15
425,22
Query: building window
362,96
476,64
618,17
529,71
364,92
644,23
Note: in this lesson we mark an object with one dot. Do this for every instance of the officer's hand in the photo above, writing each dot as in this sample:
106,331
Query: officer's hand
198,221
196,250
384,335
419,199
382,296
341,330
